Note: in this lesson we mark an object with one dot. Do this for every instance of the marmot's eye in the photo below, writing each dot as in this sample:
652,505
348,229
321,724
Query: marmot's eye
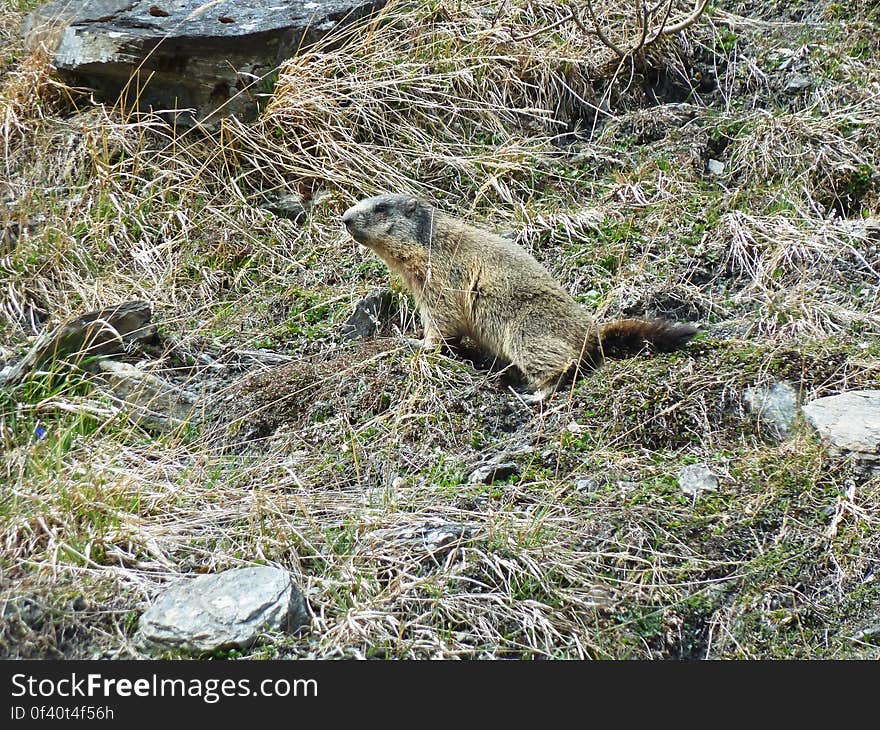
382,208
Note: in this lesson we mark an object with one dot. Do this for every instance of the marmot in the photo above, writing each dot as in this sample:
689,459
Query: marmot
471,283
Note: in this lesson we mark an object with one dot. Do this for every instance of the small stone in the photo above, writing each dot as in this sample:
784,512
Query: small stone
849,423
23,608
696,478
227,610
587,485
870,634
287,206
490,472
786,63
797,84
369,315
445,536
716,167
775,406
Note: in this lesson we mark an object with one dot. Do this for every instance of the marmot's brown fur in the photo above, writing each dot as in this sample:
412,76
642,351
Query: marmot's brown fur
471,283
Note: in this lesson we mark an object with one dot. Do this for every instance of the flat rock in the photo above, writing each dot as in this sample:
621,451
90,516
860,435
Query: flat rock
774,407
189,55
849,423
227,610
696,478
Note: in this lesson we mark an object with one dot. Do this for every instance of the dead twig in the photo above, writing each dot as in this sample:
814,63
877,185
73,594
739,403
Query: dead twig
645,16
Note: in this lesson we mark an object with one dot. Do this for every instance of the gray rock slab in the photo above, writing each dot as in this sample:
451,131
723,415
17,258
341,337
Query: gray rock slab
428,540
227,610
183,54
849,423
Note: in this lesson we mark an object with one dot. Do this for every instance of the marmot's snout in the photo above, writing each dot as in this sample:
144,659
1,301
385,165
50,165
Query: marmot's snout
354,222
349,218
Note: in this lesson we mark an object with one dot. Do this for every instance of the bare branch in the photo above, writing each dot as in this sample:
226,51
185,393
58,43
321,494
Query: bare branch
699,7
598,32
543,29
662,23
644,14
668,3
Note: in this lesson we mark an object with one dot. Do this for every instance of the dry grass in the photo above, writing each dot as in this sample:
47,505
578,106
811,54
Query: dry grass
347,463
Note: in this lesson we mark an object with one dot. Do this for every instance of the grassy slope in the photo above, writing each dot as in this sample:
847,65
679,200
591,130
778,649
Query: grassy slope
354,471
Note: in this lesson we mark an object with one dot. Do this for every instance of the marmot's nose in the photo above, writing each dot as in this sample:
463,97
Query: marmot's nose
348,217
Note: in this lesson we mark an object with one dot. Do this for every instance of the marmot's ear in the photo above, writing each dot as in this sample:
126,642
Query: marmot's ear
409,207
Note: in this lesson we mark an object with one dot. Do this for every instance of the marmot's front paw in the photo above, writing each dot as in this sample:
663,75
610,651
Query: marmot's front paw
423,344
539,396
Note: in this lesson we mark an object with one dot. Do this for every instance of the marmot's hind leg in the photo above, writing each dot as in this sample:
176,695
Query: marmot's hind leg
548,362
544,363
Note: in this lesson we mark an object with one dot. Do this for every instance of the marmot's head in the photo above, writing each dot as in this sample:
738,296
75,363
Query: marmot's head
386,222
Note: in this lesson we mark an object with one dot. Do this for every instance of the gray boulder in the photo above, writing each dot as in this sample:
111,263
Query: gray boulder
849,423
183,54
227,610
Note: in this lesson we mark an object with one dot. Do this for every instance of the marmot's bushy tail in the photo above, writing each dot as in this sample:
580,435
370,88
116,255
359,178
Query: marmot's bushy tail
629,336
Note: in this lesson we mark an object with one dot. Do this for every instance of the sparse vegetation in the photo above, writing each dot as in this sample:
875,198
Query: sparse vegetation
336,460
